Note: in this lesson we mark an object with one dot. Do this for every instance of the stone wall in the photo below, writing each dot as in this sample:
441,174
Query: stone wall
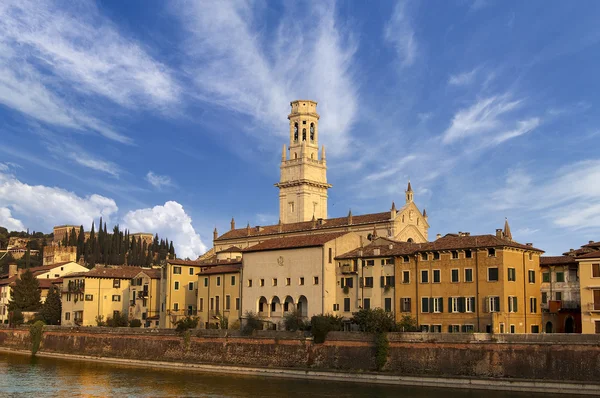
546,357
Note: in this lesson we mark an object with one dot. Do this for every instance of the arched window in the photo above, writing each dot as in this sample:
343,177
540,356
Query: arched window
295,155
312,131
410,240
303,134
296,132
312,156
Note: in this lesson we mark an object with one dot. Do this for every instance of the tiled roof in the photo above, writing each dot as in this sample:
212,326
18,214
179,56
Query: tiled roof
124,272
216,262
557,260
153,273
592,244
177,261
293,242
385,250
232,249
578,252
40,269
305,226
595,254
221,269
46,283
8,281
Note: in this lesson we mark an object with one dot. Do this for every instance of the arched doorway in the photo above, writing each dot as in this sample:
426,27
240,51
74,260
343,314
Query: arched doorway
303,306
276,306
288,304
569,325
549,327
263,306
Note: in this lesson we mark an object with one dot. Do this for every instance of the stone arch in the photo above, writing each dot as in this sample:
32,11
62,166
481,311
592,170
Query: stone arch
275,307
569,325
288,304
262,306
410,240
549,327
302,305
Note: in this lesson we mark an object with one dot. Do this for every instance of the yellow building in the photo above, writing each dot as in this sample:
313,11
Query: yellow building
178,291
219,293
144,291
100,292
284,274
589,282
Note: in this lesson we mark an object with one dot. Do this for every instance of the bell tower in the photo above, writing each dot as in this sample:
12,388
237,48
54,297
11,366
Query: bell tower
303,184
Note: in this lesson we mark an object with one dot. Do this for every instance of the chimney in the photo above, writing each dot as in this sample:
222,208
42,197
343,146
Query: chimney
590,242
360,253
232,224
499,233
438,236
529,244
460,233
215,234
258,228
280,226
12,270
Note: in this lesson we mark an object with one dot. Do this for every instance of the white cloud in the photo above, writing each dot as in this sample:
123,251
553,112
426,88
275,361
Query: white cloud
50,205
8,222
78,155
158,181
169,221
523,127
463,79
234,64
400,33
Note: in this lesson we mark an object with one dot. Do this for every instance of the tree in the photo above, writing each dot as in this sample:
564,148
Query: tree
25,294
52,307
374,320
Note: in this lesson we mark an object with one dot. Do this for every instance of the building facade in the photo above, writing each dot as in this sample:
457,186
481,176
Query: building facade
178,291
220,294
560,289
589,281
144,291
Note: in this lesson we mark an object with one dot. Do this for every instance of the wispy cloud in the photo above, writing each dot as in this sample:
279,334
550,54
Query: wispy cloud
236,65
158,181
463,79
400,33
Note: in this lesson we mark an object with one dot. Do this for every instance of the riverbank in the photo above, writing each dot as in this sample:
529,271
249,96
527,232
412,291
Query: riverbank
560,364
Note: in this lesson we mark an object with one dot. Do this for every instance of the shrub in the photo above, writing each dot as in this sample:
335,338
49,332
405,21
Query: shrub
321,325
374,321
381,350
135,323
235,325
251,323
186,323
100,320
35,333
294,321
407,324
224,323
119,321
17,318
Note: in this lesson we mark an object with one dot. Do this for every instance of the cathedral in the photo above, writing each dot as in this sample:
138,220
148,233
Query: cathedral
303,190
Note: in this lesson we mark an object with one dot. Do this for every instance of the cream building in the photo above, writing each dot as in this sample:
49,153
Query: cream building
219,294
178,291
284,274
589,282
144,291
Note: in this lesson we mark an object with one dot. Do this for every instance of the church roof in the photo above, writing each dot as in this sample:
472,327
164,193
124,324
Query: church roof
305,226
295,242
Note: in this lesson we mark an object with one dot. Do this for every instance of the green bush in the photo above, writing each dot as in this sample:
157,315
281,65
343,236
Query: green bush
119,321
251,323
35,333
135,323
100,320
294,321
17,318
407,324
381,350
374,320
321,325
186,323
235,325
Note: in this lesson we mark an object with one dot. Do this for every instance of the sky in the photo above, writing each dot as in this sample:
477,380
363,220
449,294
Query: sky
170,117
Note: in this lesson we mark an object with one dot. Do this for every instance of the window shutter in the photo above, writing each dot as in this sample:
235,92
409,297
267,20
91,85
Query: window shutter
449,328
462,307
343,282
393,280
382,280
430,304
449,304
441,304
516,304
350,282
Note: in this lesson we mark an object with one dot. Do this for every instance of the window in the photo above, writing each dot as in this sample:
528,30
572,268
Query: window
249,282
232,280
191,271
468,328
453,304
436,256
205,282
531,276
424,276
425,328
227,302
315,280
68,296
405,276
176,285
370,262
201,304
512,304
190,310
470,301
405,304
535,328
191,286
349,282
530,256
369,281
468,254
424,304
330,255
533,305
67,316
597,327
455,277
437,276
116,283
389,281
438,304
387,304
493,274
560,276
116,297
405,259
558,296
177,270
595,270
468,274
424,257
501,328
436,328
288,281
274,282
544,297
218,281
346,304
512,274
367,304
546,277
596,295
90,297
212,305
493,303
453,328
261,282
388,261
291,207
491,252
301,281
336,307
237,303
175,306
454,256
512,328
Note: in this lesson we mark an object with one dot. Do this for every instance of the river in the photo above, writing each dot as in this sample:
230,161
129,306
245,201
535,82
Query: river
25,376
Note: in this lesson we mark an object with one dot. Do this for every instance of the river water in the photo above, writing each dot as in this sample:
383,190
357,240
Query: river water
24,376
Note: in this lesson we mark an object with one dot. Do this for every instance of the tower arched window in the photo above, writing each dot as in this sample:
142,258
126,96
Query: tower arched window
296,132
303,134
312,131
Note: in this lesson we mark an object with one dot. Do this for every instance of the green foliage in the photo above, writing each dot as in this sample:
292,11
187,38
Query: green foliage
382,346
374,320
235,325
25,294
407,324
135,323
100,320
118,321
294,321
321,325
224,323
52,307
186,323
35,333
251,323
17,318
346,289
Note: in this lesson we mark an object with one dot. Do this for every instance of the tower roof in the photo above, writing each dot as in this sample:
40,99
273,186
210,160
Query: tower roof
507,233
409,189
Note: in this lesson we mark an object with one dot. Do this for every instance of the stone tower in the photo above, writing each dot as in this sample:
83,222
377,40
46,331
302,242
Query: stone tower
303,184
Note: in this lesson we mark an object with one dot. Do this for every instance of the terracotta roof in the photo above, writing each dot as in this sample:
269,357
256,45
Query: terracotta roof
221,269
293,242
216,262
557,260
578,252
393,248
153,273
124,272
8,281
595,254
44,268
592,244
46,283
178,261
232,249
305,226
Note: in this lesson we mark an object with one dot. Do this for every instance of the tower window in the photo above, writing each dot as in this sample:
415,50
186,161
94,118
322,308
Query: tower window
304,122
291,207
303,134
312,131
296,132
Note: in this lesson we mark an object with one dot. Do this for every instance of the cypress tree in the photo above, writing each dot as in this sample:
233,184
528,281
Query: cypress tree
52,307
73,237
25,294
80,243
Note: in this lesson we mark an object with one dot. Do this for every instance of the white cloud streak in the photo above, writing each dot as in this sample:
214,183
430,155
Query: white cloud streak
400,33
463,79
158,181
7,221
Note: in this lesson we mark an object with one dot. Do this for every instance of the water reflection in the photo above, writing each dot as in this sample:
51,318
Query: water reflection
45,377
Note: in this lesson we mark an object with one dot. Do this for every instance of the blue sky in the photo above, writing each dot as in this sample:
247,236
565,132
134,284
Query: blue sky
170,118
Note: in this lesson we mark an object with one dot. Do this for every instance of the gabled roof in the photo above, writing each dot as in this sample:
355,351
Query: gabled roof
178,261
124,272
294,242
232,249
221,269
557,260
595,254
152,273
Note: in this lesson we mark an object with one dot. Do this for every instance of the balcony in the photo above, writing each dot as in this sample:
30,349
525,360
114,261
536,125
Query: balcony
348,269
594,307
142,294
570,304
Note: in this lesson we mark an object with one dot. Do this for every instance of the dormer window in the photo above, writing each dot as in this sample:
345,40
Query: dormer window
436,255
491,252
